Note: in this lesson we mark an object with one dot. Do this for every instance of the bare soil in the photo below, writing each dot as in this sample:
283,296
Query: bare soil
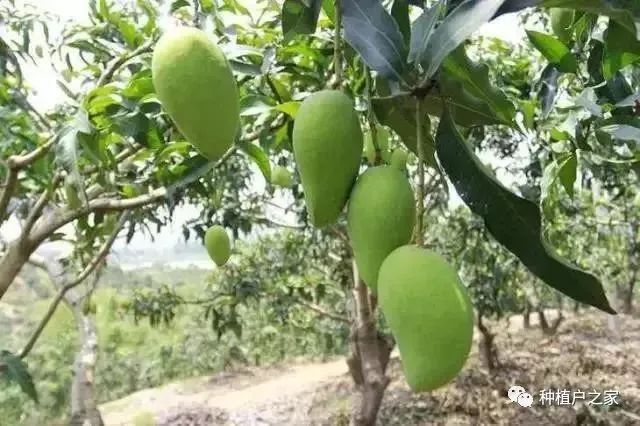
591,353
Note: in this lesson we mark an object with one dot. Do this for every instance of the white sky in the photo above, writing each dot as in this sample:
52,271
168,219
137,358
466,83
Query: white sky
42,79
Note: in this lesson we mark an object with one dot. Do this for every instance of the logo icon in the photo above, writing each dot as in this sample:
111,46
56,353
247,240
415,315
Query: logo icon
520,395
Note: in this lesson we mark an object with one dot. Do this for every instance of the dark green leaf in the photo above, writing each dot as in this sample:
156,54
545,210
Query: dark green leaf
514,221
298,17
475,79
259,157
400,12
373,33
16,371
621,48
177,4
421,31
456,28
548,89
556,52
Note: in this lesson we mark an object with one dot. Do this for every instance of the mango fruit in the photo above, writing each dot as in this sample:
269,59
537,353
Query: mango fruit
281,177
429,313
561,21
399,159
195,85
327,145
218,245
380,218
382,138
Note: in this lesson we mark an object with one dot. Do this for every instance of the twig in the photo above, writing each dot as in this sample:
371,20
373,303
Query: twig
421,187
113,67
38,207
337,44
321,311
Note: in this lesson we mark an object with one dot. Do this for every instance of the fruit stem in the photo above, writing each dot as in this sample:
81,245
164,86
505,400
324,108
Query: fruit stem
419,231
337,44
373,128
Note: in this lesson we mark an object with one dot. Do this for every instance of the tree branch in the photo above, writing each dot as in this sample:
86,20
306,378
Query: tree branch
113,67
96,262
323,312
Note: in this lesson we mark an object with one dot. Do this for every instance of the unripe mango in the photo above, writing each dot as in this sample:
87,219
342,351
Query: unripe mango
327,144
399,159
195,85
561,21
382,139
429,313
280,176
380,218
216,240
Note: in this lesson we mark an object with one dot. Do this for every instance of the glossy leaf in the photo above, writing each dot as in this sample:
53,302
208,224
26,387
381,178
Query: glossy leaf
514,221
454,29
259,157
400,12
621,48
374,34
548,89
299,17
556,52
475,79
421,31
16,371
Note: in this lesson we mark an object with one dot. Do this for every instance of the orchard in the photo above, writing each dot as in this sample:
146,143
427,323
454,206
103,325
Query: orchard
378,123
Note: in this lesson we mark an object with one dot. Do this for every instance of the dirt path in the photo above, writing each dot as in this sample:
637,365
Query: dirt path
234,394
288,395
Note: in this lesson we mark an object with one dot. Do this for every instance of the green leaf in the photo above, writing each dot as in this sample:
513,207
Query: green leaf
556,52
399,114
400,12
374,34
623,132
463,21
621,48
567,173
289,108
255,105
514,221
467,110
421,31
259,157
16,371
623,11
475,79
177,4
299,17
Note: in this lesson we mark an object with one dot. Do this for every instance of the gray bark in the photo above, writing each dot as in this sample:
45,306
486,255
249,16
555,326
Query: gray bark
369,358
84,409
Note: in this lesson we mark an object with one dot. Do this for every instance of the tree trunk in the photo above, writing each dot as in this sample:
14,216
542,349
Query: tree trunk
627,299
544,324
487,346
84,409
526,315
11,264
370,352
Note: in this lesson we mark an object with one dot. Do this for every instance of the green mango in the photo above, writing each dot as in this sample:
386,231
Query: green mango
281,177
327,145
561,21
195,85
218,245
429,313
399,159
380,218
